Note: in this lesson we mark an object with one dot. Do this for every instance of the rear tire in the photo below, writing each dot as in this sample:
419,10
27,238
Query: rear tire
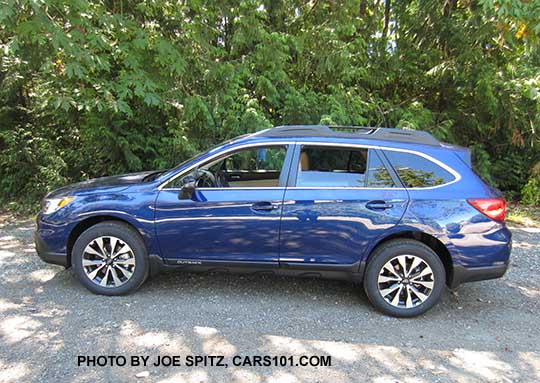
404,278
110,258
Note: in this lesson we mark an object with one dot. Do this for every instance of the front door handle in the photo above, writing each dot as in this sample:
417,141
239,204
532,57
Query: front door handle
378,205
264,206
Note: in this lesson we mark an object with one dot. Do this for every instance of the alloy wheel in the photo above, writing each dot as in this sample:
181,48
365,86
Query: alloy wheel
108,261
406,281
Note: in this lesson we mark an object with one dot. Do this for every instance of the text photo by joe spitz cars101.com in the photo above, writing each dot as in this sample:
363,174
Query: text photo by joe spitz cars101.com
204,361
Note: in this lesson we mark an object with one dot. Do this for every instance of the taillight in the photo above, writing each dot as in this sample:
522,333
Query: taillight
494,208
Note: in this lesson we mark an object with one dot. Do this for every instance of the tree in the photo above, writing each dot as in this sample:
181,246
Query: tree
101,87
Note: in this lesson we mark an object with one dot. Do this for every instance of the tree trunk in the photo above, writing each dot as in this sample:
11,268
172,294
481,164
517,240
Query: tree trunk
386,18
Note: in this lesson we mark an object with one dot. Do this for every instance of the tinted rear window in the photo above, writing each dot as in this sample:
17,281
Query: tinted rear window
416,171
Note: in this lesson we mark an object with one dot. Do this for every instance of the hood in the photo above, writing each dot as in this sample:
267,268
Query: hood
105,184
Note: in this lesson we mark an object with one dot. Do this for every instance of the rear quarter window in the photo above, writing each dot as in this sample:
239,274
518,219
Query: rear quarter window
416,171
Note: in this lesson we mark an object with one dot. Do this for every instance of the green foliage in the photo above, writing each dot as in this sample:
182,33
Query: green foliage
89,88
482,163
531,191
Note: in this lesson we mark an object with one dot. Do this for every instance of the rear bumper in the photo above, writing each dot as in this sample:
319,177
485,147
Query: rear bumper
48,256
472,274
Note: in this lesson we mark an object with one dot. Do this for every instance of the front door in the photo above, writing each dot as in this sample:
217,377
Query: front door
234,213
341,199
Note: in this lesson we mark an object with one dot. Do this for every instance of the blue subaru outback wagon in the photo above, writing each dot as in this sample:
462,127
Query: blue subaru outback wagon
394,209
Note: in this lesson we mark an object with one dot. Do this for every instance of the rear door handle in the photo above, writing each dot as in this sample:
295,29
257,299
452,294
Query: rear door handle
378,205
264,206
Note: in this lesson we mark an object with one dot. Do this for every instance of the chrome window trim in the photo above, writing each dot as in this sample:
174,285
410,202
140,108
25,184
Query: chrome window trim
457,176
246,188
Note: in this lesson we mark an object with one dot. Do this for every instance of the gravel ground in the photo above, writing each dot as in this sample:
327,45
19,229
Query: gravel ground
485,332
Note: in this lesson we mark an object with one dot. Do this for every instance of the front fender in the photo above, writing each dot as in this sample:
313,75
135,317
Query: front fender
136,209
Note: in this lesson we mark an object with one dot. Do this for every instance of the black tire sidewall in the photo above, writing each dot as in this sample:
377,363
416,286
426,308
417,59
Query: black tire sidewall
390,250
127,235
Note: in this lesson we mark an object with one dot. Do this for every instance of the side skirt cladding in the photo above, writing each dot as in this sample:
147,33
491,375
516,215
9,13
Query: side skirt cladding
353,272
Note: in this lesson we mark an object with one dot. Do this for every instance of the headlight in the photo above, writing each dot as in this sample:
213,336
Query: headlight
50,205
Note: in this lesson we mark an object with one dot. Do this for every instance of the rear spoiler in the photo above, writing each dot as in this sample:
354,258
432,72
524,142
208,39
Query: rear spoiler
462,152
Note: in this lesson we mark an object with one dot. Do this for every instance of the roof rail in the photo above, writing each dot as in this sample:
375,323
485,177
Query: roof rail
384,134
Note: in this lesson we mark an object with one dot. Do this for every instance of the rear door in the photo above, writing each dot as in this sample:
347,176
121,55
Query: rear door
338,201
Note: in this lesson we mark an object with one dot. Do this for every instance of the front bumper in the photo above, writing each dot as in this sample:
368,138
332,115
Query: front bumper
472,274
43,238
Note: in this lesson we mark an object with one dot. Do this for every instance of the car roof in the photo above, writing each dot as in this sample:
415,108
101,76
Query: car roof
355,132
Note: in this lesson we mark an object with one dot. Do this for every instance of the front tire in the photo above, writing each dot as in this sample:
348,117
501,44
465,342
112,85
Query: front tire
404,278
110,258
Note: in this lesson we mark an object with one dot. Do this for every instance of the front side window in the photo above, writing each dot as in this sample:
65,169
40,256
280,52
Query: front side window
331,167
250,167
416,171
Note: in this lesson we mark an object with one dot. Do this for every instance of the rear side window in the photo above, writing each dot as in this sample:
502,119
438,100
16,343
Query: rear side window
416,171
332,167
377,174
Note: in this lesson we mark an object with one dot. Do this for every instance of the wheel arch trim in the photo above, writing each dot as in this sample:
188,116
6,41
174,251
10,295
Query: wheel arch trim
434,243
91,220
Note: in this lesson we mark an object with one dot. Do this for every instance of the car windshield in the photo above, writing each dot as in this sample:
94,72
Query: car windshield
152,176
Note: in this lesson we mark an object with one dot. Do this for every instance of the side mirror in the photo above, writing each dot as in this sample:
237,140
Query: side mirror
188,188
